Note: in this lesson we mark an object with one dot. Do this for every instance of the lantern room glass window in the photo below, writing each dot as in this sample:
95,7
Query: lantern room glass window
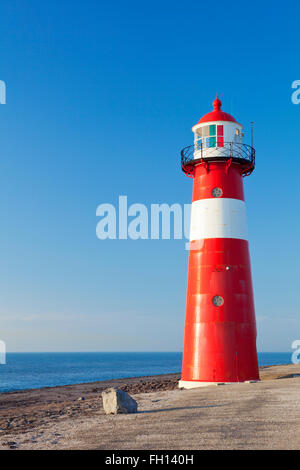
210,136
220,136
238,136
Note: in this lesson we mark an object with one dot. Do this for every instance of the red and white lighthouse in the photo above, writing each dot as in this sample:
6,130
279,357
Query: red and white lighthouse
220,328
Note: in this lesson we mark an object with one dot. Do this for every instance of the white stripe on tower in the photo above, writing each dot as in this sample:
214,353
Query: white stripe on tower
218,218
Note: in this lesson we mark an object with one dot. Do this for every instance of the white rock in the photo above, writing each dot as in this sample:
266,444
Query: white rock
116,401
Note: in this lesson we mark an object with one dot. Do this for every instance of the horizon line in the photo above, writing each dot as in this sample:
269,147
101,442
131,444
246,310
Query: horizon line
118,352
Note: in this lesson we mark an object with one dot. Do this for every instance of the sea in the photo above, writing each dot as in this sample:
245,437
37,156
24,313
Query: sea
24,371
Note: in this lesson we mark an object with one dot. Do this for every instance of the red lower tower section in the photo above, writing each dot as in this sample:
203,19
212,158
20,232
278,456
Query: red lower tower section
220,341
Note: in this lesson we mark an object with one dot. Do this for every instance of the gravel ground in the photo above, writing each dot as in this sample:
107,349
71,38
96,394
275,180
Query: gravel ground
264,415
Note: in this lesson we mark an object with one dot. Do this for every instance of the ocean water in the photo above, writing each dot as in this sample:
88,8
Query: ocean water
34,370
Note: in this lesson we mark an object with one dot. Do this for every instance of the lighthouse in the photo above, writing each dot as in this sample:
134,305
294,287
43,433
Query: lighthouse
220,328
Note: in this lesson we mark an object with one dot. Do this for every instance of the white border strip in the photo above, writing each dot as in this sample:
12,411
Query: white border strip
218,218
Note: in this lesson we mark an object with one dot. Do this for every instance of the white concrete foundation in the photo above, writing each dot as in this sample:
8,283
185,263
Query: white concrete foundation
193,384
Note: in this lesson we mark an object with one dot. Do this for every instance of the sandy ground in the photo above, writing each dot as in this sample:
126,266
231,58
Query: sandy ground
264,415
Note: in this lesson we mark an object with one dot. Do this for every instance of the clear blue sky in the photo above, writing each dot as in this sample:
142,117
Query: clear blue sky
101,97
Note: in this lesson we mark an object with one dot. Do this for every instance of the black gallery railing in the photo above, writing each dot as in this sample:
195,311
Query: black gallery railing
238,152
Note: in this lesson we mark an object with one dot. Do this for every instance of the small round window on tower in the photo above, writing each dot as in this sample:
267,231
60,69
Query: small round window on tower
218,301
217,192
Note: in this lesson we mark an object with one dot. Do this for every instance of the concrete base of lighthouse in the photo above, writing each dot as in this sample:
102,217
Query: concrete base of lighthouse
194,384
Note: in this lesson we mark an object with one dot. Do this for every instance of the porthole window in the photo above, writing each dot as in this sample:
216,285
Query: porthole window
217,192
218,301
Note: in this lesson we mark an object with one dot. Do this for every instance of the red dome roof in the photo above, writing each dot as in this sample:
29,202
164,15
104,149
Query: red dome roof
217,114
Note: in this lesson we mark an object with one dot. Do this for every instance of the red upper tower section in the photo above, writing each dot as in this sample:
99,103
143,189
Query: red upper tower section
217,114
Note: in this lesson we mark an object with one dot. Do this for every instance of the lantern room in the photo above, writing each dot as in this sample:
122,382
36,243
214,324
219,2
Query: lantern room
214,131
218,136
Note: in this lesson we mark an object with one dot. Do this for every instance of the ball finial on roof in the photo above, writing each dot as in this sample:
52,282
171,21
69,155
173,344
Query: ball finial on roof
217,114
217,103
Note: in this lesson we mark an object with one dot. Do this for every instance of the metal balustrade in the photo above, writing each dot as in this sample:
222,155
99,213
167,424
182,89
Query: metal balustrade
240,153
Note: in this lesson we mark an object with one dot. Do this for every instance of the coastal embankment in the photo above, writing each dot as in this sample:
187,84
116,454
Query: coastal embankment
263,415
